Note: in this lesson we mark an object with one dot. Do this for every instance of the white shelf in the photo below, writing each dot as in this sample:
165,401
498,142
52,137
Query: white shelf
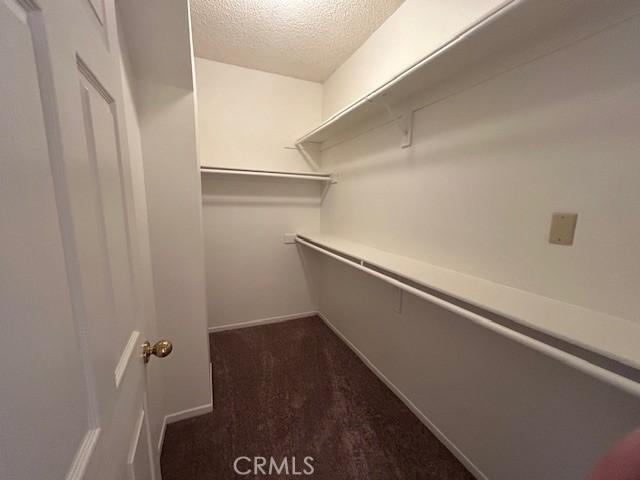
610,337
314,176
490,40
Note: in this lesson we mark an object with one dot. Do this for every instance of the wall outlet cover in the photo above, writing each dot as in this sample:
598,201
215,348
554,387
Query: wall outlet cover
563,228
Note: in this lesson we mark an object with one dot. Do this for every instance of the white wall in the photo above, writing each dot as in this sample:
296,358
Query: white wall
415,29
245,118
175,226
251,273
248,117
142,252
475,193
487,168
157,35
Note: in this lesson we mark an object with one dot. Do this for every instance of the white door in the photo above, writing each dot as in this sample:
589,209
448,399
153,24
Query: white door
72,378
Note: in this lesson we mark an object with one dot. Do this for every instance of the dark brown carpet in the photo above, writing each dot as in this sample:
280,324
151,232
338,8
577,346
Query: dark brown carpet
295,389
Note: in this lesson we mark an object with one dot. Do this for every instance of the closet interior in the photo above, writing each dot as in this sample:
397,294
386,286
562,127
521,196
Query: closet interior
334,239
421,201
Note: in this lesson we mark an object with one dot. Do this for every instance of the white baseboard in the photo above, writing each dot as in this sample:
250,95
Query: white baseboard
184,414
475,471
261,321
189,413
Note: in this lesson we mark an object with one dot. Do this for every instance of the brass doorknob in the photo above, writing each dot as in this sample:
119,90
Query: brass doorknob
161,349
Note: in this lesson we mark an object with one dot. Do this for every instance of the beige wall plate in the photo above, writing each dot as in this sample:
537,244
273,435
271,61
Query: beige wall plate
563,228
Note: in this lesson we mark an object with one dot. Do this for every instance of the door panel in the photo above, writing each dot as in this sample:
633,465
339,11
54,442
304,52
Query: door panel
72,373
98,9
139,453
37,333
102,143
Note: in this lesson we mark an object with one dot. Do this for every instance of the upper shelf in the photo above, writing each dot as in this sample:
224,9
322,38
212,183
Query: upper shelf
314,176
605,335
490,40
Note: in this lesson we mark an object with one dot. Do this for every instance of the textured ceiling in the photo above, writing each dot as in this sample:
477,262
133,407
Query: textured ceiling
306,39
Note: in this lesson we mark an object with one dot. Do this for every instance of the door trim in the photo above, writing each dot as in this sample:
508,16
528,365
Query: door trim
137,431
125,356
83,455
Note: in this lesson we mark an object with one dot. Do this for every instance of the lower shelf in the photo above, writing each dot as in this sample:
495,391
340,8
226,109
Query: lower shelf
608,344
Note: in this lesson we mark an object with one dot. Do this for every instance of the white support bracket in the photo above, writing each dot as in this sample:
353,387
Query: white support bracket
404,121
310,152
406,125
327,185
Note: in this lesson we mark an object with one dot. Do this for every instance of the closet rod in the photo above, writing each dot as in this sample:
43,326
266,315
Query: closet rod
578,363
322,177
